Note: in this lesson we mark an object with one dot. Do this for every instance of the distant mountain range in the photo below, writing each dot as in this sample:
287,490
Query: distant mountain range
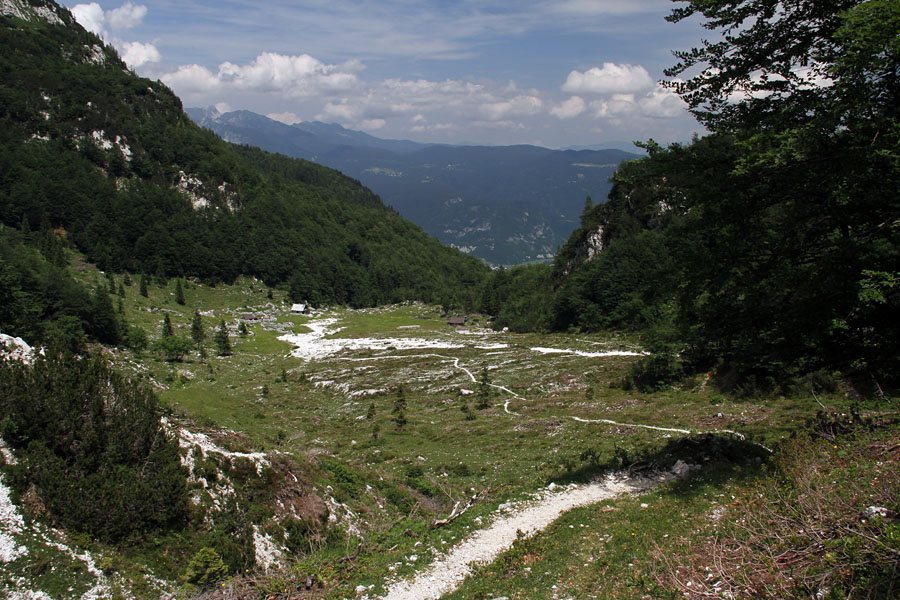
505,204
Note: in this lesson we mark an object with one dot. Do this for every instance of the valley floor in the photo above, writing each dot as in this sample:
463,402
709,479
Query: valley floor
388,450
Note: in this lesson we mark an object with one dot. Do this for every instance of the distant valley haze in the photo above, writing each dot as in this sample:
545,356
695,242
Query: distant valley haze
505,204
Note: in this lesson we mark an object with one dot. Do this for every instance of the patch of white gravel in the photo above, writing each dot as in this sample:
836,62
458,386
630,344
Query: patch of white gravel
11,524
15,348
587,354
189,439
267,553
449,571
316,344
7,454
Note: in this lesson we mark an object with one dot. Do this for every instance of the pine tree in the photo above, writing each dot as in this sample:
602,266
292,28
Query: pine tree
464,408
167,330
242,329
399,411
484,390
121,307
121,290
371,414
197,332
179,292
126,279
104,323
223,345
143,286
112,283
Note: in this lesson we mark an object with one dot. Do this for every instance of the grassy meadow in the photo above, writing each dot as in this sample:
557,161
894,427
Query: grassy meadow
329,412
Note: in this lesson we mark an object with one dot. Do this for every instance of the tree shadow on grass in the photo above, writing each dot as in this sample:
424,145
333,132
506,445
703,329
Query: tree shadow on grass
722,456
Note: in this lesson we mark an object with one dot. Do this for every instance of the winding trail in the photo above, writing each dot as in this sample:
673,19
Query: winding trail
448,571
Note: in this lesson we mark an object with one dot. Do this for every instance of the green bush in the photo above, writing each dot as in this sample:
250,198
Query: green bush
92,444
205,567
656,371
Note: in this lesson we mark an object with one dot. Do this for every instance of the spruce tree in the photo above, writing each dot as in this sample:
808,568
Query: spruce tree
242,329
465,409
197,332
399,411
121,290
179,292
484,390
143,286
371,414
104,324
223,345
167,330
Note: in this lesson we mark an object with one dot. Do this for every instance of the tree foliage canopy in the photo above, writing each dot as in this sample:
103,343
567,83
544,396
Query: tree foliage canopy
770,246
92,444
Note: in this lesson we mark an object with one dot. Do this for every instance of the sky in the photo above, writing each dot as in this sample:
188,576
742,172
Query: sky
555,73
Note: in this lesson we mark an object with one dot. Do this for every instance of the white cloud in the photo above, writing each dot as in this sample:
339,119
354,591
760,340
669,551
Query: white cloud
662,103
373,124
617,105
192,79
126,16
518,106
90,16
136,54
506,124
296,76
593,8
658,103
300,76
93,18
611,78
569,109
340,111
288,118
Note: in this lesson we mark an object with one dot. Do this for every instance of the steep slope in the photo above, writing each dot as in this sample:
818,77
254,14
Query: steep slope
506,204
110,158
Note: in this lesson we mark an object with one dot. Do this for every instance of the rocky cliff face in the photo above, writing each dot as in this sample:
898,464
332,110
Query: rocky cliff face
592,245
35,10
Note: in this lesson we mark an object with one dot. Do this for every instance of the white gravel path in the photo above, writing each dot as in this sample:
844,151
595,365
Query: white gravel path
449,571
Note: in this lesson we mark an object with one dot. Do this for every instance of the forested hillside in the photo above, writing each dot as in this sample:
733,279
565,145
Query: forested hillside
770,248
111,163
506,204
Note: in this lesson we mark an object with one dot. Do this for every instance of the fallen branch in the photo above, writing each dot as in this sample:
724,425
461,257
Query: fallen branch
352,557
456,512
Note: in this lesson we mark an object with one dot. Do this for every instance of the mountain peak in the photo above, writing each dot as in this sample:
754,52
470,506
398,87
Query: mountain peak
36,10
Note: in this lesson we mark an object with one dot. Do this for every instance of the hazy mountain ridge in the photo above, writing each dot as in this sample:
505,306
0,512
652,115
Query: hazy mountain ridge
506,204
